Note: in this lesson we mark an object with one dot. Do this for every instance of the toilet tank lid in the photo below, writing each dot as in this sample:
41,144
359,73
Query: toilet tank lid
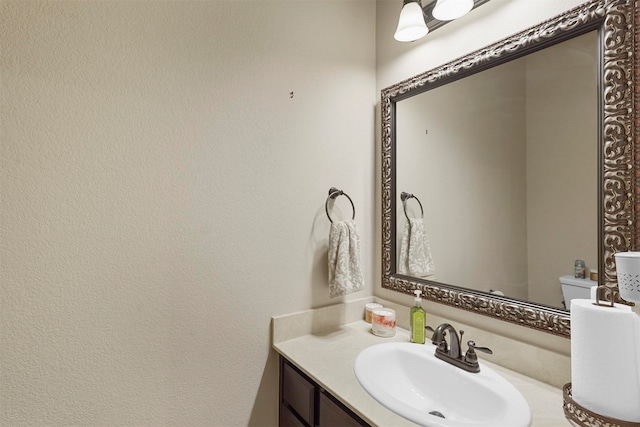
583,283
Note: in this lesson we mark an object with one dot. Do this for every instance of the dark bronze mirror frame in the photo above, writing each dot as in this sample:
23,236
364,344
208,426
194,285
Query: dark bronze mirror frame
618,158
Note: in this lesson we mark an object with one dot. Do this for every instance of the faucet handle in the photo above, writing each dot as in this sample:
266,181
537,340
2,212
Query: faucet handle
472,346
471,356
438,338
434,339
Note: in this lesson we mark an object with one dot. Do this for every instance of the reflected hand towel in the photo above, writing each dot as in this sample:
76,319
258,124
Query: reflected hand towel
415,252
345,275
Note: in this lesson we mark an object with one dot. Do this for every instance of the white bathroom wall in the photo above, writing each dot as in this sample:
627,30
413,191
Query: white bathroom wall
164,170
397,61
562,129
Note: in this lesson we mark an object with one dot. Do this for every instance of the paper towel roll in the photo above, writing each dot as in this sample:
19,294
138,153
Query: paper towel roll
605,359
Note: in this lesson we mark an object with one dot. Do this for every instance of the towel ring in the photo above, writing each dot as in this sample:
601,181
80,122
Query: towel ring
404,196
333,194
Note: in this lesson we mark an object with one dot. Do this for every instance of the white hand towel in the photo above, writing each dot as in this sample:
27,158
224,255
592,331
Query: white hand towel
415,252
345,275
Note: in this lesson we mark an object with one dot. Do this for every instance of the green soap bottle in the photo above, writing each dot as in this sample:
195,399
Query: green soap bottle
417,320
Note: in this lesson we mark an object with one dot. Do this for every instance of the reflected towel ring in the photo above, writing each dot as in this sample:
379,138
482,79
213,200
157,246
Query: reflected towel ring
404,196
333,194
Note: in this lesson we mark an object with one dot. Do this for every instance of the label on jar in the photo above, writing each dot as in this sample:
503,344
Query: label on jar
383,322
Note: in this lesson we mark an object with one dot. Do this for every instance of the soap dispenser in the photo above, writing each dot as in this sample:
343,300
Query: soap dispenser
417,320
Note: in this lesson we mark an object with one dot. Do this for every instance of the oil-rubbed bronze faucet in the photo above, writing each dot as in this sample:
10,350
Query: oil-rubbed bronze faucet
451,352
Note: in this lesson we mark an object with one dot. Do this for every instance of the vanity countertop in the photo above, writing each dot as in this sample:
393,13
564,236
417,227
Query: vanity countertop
327,356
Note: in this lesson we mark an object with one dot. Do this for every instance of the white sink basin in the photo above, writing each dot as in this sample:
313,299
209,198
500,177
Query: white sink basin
410,381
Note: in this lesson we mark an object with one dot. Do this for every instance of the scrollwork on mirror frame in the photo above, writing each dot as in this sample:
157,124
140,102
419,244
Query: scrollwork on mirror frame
619,155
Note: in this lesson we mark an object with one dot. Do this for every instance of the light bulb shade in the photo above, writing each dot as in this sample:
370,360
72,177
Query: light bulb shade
411,25
448,10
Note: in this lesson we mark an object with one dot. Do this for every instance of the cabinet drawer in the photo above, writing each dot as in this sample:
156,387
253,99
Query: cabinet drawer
332,413
288,418
297,393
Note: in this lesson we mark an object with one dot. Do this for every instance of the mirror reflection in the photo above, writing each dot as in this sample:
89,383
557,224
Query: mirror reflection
549,145
505,165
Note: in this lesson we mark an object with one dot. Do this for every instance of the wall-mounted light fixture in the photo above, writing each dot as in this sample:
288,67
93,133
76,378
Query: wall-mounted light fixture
448,10
411,25
415,20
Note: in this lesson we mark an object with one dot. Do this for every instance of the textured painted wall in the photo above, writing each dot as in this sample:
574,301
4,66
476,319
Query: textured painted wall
164,172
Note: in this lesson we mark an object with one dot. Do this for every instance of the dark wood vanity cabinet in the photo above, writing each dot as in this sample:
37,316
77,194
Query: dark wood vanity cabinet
303,403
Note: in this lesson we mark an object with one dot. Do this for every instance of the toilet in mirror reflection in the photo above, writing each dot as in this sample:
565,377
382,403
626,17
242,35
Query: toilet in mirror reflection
574,288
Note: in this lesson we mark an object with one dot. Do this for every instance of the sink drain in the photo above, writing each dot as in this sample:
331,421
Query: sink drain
437,414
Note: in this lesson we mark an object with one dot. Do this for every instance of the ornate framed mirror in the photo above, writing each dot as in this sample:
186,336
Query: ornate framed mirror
612,115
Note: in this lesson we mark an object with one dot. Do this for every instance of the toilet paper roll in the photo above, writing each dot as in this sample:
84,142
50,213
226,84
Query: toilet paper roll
605,359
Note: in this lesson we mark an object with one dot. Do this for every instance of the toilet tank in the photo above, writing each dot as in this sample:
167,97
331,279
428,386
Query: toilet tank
573,288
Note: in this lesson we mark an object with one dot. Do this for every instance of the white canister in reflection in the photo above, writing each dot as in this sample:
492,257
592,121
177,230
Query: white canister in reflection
628,272
368,310
383,322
